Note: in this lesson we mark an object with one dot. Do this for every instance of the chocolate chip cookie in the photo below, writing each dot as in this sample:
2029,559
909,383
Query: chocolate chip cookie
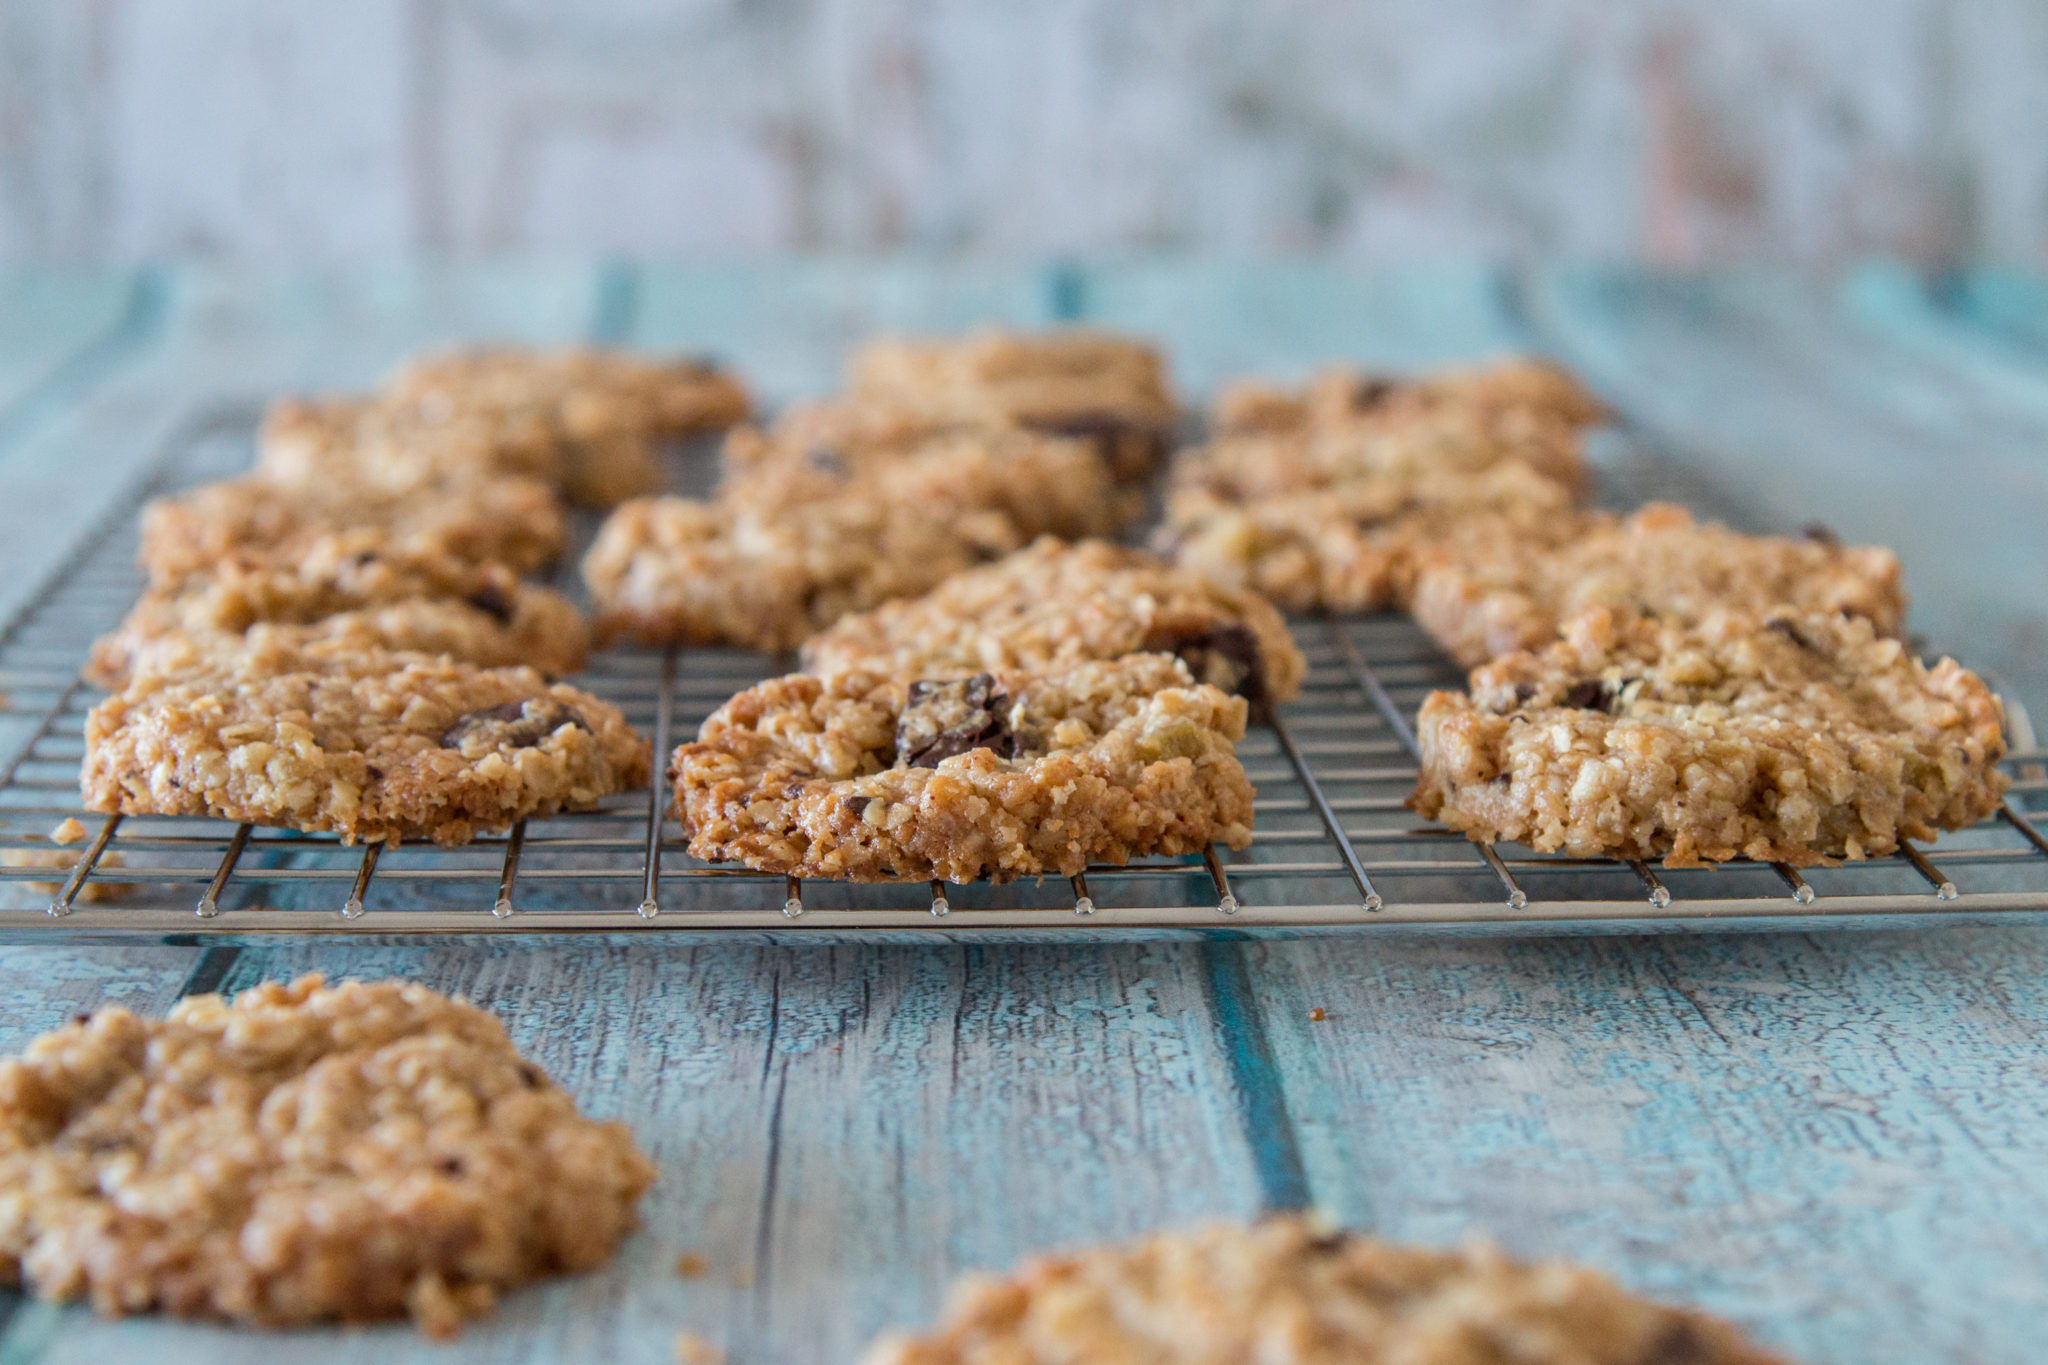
254,520
1494,597
1797,736
348,587
370,745
1107,389
870,778
1053,605
1287,1291
1357,544
306,1153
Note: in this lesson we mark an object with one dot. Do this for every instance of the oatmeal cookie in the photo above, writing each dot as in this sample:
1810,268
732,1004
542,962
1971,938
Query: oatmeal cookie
375,440
1493,598
348,586
869,778
768,565
1798,736
1045,485
369,745
1345,397
1357,546
306,1153
603,414
1286,1291
1053,605
511,521
1108,389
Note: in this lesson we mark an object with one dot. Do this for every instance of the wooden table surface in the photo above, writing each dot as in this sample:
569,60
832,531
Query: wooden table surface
1837,1139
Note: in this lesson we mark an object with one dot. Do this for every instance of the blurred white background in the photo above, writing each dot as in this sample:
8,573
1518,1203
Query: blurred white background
1669,130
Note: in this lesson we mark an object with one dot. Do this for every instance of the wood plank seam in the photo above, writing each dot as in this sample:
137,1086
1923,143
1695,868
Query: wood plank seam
1255,1077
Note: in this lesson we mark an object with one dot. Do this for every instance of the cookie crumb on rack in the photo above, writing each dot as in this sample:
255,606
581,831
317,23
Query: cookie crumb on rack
69,832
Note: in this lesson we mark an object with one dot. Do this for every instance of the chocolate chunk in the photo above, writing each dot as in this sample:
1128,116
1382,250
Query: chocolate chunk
81,1018
1329,1243
1678,1344
449,1165
1370,391
1106,430
1820,533
513,724
530,1075
942,720
826,461
1789,628
491,598
1225,657
1524,691
1588,695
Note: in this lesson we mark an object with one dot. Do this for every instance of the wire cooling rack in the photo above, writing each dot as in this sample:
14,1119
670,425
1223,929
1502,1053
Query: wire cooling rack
1335,850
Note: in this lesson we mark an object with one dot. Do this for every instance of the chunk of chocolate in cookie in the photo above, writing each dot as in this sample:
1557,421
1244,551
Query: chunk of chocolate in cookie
941,720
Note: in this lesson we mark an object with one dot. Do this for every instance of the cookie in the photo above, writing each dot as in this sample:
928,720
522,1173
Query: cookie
1053,605
1357,546
604,414
369,745
371,439
1502,595
869,778
253,520
1346,397
1286,1291
1798,737
307,1153
347,587
768,564
1045,485
1108,389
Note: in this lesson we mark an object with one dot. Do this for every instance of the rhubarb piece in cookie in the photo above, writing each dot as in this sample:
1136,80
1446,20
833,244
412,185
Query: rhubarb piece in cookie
870,778
253,520
1356,546
1797,737
370,745
1287,1291
1053,605
1107,389
347,586
767,565
1502,595
605,415
307,1153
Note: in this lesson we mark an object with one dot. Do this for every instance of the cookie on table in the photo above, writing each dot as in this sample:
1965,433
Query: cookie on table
347,587
374,746
1109,389
1286,1291
1519,389
1799,737
1053,605
768,566
1357,546
307,1153
516,522
864,777
1494,598
605,414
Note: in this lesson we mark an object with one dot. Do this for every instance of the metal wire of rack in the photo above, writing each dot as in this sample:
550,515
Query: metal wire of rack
1335,850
